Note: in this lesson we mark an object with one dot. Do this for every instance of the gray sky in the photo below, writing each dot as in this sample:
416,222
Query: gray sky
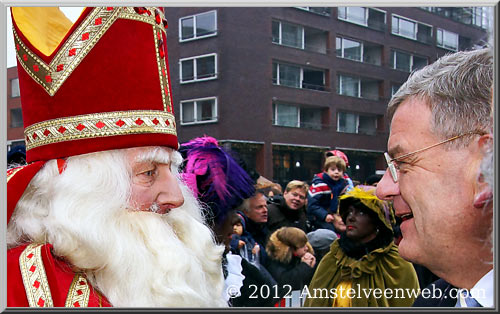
71,12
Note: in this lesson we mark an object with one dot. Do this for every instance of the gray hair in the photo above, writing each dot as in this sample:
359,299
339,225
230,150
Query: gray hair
457,88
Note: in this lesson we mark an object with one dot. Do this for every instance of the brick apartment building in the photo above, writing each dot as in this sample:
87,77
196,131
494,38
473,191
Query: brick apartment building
283,85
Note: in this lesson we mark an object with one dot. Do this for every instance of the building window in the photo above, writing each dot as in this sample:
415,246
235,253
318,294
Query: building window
199,68
14,88
197,111
198,26
298,36
477,16
369,17
355,123
16,118
447,40
318,10
358,87
358,51
298,77
411,29
407,62
296,116
394,88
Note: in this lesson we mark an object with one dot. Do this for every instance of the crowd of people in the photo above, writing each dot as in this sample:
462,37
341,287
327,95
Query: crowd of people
110,211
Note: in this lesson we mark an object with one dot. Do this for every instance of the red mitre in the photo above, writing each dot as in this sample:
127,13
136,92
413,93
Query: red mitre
105,86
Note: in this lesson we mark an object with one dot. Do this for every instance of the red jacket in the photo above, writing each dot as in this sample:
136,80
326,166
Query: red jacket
37,278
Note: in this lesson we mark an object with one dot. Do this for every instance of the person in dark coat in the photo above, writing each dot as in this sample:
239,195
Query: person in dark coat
289,210
292,261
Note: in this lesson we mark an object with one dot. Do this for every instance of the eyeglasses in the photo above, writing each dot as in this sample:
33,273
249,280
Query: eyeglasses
391,162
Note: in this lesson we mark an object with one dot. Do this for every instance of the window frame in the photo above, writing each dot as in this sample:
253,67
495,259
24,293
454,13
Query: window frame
280,35
195,101
417,23
340,76
194,17
412,63
18,90
366,17
441,45
299,109
195,70
18,111
301,75
357,115
308,9
342,48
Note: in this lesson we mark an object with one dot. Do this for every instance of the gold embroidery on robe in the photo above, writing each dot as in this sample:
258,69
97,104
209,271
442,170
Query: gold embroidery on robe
79,292
34,277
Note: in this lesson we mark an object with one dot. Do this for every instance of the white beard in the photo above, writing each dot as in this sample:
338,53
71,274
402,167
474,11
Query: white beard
135,258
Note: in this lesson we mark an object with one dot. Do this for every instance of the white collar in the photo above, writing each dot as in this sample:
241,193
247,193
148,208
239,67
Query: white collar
482,292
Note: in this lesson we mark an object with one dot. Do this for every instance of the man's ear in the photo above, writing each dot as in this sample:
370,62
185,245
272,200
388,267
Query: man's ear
484,194
485,142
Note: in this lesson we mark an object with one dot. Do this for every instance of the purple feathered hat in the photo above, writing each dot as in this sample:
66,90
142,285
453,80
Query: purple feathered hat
215,177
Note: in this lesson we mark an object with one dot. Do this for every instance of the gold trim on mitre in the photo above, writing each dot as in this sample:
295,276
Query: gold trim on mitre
99,125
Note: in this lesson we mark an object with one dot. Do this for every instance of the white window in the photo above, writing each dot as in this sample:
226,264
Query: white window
349,49
202,110
355,123
369,17
14,88
199,68
358,87
411,29
358,15
318,10
296,116
349,85
447,40
297,36
198,26
288,34
298,77
406,61
359,51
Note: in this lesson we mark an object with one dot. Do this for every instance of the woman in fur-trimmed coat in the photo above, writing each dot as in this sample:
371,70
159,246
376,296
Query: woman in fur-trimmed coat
292,260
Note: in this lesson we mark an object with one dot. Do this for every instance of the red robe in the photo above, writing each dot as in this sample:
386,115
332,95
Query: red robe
37,278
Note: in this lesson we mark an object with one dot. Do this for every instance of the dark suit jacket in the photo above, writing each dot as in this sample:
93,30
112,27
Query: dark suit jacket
439,292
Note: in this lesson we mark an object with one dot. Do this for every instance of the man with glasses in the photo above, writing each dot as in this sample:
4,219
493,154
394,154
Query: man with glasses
439,135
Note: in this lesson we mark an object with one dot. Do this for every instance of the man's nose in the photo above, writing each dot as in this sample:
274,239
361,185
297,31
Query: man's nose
386,188
170,194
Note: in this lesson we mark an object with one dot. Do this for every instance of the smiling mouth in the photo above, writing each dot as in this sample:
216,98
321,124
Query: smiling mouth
406,217
350,227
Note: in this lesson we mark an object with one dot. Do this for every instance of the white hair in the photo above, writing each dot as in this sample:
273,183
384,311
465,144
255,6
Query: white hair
135,258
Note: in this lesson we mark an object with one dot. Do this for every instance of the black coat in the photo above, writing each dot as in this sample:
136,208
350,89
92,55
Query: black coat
255,280
280,215
296,273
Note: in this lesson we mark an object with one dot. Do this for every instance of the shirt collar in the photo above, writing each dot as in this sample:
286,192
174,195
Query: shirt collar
484,288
